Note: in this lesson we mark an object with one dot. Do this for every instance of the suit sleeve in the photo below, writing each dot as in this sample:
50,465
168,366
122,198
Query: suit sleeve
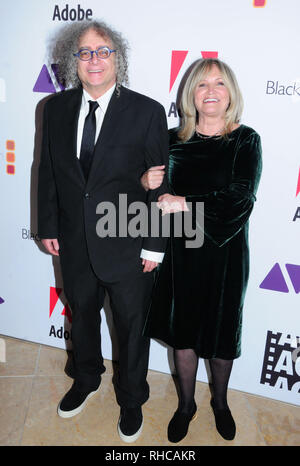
156,153
47,194
226,211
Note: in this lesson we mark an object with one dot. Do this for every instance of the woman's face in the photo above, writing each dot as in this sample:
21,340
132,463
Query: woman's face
211,96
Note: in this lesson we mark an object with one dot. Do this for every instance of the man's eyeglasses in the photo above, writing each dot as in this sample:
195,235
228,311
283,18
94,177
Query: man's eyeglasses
86,54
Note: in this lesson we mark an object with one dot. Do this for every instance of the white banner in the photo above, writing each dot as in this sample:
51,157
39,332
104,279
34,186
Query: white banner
260,40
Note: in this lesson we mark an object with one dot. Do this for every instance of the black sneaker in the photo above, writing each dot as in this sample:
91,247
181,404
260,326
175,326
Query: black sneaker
130,424
74,402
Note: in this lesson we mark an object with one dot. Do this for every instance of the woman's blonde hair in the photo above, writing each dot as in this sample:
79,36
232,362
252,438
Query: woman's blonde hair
189,114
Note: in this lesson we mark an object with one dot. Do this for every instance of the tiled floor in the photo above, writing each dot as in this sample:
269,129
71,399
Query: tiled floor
32,381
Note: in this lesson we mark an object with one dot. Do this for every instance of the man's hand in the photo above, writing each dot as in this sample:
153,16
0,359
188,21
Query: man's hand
153,177
51,245
149,265
171,204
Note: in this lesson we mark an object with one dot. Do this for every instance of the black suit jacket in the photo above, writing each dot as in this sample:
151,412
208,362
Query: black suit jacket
133,137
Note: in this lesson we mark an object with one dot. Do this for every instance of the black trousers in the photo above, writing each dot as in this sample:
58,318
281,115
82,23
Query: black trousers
129,299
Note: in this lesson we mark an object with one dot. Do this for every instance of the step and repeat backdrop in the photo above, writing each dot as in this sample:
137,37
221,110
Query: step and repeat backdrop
260,40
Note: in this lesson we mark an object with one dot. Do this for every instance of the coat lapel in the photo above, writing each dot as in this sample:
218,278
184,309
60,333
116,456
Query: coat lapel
110,123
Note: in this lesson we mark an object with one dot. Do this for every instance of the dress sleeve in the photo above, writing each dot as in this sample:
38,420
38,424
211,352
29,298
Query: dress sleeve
227,210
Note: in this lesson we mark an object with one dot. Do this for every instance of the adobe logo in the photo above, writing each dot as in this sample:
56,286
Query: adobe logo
259,3
54,295
47,83
177,60
275,280
297,213
298,185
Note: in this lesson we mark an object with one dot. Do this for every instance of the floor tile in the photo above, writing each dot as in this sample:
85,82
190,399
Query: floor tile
21,357
91,427
34,379
15,395
52,361
279,422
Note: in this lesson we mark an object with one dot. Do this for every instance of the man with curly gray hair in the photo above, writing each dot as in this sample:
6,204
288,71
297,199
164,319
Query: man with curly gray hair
68,39
98,139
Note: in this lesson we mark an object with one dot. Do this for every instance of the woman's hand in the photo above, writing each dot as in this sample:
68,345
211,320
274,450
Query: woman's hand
171,204
153,177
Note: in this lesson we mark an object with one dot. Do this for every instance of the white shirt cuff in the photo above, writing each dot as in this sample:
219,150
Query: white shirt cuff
152,255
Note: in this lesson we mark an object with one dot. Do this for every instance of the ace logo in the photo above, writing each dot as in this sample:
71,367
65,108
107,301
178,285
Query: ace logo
281,368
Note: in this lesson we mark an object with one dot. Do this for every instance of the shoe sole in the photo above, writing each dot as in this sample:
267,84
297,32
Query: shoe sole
130,438
74,412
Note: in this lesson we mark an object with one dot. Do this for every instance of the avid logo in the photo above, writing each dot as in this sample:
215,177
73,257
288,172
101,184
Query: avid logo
48,80
55,305
275,280
177,59
281,366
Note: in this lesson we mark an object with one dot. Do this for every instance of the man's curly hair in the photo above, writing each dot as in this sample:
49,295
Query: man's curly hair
65,43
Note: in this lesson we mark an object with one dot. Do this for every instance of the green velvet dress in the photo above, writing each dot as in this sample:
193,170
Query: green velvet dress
199,292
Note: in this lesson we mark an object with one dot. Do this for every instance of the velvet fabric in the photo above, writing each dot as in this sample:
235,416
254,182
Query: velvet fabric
199,292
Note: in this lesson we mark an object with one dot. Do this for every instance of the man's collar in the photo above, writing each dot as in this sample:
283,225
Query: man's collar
103,101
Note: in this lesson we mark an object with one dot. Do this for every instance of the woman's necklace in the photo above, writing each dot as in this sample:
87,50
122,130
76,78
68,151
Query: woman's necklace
206,136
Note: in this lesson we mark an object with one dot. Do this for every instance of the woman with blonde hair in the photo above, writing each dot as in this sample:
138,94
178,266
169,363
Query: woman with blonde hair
198,298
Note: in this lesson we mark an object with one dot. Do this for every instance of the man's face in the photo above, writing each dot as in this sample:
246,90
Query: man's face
96,75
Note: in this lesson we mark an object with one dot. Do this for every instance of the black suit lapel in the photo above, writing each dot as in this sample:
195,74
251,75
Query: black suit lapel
110,123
